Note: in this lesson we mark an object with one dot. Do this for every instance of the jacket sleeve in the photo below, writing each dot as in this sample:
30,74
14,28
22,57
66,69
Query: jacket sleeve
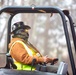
19,53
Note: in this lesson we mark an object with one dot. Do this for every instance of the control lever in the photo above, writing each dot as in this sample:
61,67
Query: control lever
53,62
33,62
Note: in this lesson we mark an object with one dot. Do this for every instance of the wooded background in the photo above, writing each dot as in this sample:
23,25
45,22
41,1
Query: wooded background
47,33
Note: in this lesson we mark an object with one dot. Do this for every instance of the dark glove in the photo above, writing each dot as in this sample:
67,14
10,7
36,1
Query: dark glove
54,61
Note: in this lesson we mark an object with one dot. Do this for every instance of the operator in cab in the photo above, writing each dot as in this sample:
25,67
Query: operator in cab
22,51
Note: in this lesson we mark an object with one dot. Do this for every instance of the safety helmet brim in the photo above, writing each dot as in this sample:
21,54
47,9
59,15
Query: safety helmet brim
21,27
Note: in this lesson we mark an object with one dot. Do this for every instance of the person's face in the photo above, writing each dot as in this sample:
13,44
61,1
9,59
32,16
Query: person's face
24,33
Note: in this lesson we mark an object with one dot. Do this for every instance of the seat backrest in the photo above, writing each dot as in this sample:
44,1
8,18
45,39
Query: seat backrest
10,64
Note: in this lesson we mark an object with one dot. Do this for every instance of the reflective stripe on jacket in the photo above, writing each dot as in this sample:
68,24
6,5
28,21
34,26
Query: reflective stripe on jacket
30,51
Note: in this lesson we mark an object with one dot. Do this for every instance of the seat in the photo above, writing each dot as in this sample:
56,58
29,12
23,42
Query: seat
10,64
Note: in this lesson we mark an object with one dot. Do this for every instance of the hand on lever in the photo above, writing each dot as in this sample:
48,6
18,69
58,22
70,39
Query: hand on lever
50,60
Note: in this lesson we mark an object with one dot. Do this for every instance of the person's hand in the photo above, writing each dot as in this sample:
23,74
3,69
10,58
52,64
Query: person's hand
50,60
55,60
47,59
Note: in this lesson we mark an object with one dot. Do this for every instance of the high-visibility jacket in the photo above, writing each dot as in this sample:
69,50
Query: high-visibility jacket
30,51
